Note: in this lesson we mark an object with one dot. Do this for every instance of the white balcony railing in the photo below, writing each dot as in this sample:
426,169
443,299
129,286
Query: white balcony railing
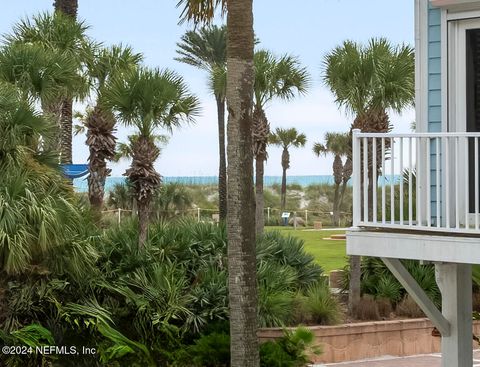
423,181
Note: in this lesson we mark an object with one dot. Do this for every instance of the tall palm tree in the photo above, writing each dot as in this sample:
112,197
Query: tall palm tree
286,139
70,9
148,99
102,65
206,49
368,81
242,279
61,34
281,78
337,144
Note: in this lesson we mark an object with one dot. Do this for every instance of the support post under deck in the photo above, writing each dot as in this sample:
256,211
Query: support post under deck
455,283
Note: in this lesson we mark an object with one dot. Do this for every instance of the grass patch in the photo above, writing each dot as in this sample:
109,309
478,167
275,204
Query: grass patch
329,254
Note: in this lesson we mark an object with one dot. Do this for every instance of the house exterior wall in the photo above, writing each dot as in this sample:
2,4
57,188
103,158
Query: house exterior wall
434,96
434,70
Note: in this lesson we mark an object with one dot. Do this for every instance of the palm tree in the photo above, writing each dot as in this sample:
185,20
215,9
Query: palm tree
148,99
61,34
274,78
286,139
70,9
206,49
242,279
37,216
41,75
337,144
102,65
367,81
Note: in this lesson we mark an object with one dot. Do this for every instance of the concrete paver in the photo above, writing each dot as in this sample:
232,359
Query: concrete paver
428,360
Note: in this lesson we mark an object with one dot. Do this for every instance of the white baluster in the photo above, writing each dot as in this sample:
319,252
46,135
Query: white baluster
447,182
457,200
437,183
383,182
410,189
365,180
428,188
392,184
467,182
475,154
401,180
374,165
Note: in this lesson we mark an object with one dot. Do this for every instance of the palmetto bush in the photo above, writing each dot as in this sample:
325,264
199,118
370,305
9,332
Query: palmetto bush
161,298
379,282
316,306
288,251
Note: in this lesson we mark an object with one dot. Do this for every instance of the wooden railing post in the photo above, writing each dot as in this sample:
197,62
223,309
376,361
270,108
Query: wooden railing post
356,177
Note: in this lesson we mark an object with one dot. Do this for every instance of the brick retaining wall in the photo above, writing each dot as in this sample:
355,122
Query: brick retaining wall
350,342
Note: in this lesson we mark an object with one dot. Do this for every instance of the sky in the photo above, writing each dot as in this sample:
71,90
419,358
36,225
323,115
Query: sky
308,29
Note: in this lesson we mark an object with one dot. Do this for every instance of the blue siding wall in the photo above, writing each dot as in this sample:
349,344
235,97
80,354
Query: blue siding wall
434,97
434,71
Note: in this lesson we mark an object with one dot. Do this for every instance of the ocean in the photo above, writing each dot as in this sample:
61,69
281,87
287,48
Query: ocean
81,184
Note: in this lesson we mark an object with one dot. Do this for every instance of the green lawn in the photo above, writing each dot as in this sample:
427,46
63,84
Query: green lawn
330,254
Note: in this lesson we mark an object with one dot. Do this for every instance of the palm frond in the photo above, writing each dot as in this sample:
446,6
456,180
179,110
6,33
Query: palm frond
200,11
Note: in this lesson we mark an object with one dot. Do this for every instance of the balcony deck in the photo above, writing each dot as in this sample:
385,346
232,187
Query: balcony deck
414,244
421,202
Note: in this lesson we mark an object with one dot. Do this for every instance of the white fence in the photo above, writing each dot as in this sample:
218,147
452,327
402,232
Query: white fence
425,181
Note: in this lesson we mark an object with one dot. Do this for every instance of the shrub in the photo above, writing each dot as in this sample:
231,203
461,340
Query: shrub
317,306
384,307
409,308
30,336
273,354
163,297
377,280
289,351
388,288
367,309
275,294
211,350
289,251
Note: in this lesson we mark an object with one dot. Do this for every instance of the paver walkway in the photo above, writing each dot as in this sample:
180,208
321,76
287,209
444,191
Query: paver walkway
428,360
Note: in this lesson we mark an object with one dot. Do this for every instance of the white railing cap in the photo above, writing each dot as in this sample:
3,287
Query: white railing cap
419,135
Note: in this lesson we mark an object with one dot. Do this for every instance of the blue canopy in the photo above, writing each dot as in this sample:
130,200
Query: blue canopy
75,170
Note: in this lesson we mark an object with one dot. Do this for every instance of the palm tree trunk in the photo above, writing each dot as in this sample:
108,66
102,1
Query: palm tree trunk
346,174
336,205
143,219
145,180
101,143
66,131
354,285
222,169
242,275
283,203
96,188
259,198
342,196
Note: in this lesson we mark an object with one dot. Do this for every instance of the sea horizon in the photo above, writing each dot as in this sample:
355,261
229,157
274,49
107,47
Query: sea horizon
81,185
